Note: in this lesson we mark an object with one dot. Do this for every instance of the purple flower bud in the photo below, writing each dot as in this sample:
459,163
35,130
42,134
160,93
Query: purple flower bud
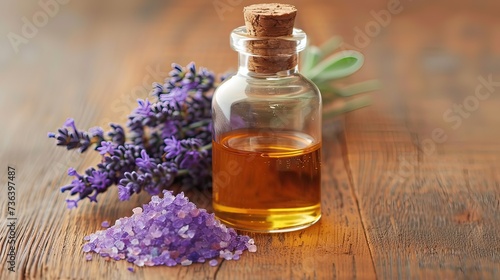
192,67
78,186
176,97
96,131
144,161
70,122
169,129
190,159
123,193
72,172
93,198
144,108
106,148
157,89
173,147
99,180
71,203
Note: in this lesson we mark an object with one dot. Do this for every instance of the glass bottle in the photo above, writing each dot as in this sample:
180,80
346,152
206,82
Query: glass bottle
267,138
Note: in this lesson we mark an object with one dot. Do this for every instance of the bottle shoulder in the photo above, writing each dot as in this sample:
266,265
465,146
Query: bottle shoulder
242,87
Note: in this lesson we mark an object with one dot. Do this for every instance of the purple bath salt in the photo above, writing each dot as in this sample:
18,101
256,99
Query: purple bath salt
169,231
213,262
88,257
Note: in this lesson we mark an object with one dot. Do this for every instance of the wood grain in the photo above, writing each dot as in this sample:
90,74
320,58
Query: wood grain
396,203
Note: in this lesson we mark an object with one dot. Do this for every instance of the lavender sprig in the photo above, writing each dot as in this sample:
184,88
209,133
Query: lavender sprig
70,137
169,141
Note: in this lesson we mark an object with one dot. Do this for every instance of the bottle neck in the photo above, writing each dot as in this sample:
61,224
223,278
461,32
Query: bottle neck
267,66
267,56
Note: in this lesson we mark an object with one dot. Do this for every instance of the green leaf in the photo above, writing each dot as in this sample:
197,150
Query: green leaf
336,66
328,97
326,88
349,105
357,88
323,68
329,46
311,57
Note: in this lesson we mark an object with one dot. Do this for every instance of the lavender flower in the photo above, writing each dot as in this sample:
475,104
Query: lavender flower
96,132
106,148
72,172
124,192
191,158
193,153
99,180
77,186
172,148
71,203
70,123
117,134
176,97
169,129
151,179
169,141
144,108
144,161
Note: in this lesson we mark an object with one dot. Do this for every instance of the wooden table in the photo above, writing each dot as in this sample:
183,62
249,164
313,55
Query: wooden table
411,184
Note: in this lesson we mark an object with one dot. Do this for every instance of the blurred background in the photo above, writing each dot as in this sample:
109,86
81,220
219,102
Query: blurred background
92,59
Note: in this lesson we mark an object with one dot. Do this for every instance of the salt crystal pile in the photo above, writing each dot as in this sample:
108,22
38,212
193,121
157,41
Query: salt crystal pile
168,231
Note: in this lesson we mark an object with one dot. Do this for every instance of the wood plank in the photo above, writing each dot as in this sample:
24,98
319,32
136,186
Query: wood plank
430,207
428,215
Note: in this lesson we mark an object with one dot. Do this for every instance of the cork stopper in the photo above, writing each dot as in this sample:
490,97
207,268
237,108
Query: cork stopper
267,21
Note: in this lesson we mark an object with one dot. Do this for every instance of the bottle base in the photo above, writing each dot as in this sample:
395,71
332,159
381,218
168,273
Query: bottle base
268,220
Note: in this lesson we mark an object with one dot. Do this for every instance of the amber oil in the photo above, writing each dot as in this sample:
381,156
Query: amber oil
267,181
